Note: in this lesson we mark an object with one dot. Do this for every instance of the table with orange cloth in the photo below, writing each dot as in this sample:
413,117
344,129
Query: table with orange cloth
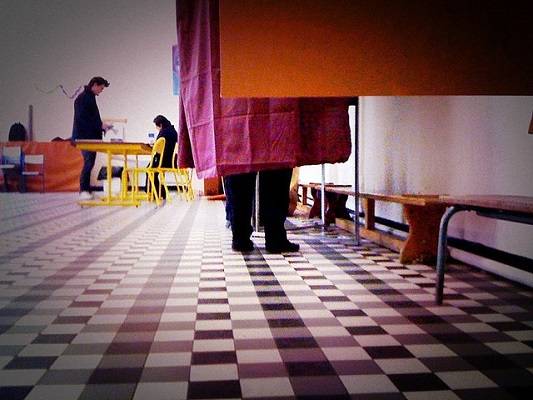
62,165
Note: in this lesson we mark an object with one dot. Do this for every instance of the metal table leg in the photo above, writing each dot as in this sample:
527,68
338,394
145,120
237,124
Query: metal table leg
441,251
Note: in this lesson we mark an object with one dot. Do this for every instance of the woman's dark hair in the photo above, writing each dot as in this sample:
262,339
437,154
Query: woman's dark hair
99,81
17,132
161,121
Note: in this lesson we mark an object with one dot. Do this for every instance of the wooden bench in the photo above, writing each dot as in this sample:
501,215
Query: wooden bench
335,202
428,217
422,213
509,208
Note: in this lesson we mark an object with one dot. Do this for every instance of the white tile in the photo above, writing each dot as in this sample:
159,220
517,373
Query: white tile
171,336
402,366
126,303
79,312
161,391
217,372
77,362
252,333
266,387
168,359
357,384
465,380
20,377
357,321
62,329
56,392
430,350
340,305
510,347
43,350
376,340
258,356
16,339
4,360
433,395
178,317
492,317
247,315
521,335
31,320
103,319
474,327
403,329
213,345
210,325
345,353
96,337
381,312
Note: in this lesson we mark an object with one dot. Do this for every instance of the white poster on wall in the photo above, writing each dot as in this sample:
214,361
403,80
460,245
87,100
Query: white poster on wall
116,129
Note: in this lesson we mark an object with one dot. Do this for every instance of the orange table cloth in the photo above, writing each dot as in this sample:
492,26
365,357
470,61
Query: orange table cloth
62,165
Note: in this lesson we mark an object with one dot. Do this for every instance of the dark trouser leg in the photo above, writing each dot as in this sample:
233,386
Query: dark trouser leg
157,186
273,207
240,190
22,183
6,185
89,157
13,174
228,209
7,176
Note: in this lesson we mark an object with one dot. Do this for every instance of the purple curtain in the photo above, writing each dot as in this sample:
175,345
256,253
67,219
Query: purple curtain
222,136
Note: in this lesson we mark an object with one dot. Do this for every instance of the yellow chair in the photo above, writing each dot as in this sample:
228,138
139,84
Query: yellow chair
187,185
182,177
152,193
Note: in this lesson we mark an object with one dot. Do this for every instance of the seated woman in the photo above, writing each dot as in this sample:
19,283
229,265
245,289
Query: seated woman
167,131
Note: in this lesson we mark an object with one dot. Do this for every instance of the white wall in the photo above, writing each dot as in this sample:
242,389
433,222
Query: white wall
453,145
47,43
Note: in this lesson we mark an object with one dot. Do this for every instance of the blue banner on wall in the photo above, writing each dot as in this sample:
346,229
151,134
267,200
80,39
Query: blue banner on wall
175,71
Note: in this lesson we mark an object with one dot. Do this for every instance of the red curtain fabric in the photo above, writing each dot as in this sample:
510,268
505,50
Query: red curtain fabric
222,136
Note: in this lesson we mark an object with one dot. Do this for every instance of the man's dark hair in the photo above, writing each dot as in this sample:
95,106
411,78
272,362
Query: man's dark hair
161,121
99,81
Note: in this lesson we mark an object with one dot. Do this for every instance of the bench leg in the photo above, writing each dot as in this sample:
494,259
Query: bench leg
369,208
340,207
329,201
332,202
304,195
421,243
441,253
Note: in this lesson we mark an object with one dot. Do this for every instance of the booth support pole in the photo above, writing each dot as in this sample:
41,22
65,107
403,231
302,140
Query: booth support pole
356,173
323,196
256,203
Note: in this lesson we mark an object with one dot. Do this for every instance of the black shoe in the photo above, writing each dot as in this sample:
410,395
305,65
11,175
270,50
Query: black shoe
285,247
243,246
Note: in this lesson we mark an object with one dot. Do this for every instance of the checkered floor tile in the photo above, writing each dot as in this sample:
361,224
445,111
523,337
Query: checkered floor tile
145,303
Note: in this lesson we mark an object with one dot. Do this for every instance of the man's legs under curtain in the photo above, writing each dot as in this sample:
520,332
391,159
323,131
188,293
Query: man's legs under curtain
240,191
273,208
273,204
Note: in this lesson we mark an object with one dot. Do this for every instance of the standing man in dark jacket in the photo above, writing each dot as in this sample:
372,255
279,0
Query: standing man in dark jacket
167,131
88,125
